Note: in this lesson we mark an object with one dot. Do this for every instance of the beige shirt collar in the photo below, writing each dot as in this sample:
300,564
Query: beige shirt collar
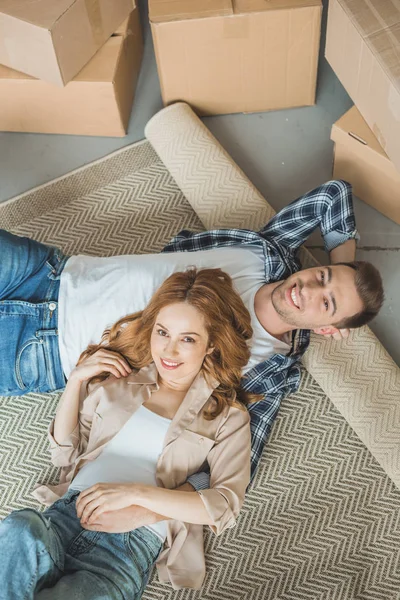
197,396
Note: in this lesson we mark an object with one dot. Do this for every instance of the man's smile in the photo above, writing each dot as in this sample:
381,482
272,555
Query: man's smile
293,297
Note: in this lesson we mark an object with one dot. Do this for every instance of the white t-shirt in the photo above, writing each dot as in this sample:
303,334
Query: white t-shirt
131,455
96,292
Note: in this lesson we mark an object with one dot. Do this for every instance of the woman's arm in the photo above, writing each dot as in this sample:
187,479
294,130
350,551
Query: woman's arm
131,517
67,414
66,418
173,504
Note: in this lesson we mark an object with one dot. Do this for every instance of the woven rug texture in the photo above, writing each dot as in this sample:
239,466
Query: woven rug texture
322,518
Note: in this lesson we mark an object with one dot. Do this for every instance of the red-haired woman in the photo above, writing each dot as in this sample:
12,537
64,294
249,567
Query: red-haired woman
141,412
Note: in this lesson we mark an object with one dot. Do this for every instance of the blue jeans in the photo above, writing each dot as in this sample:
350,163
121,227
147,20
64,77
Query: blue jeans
29,286
49,556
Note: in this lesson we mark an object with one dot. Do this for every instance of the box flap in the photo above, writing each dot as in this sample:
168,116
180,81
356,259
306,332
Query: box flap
248,6
123,28
43,13
100,68
176,10
103,64
7,73
352,130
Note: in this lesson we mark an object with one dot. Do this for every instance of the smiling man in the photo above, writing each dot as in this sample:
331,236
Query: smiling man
324,299
53,306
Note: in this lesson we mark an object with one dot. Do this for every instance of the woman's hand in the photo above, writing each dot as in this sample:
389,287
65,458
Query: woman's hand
123,520
100,362
101,498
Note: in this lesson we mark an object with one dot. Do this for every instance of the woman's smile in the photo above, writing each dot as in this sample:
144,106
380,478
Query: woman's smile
169,364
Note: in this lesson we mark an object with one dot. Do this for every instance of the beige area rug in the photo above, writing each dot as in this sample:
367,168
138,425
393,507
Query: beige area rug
322,520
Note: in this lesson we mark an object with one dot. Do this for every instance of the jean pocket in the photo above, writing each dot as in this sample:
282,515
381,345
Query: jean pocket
143,547
30,366
68,498
84,542
55,264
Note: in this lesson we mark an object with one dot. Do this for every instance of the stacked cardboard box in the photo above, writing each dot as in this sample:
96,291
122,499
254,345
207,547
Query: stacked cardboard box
363,48
228,56
92,47
361,160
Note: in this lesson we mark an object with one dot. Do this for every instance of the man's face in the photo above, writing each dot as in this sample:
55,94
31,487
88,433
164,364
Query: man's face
317,297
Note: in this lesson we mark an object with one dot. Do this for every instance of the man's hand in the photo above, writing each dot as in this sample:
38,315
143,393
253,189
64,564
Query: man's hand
123,520
338,334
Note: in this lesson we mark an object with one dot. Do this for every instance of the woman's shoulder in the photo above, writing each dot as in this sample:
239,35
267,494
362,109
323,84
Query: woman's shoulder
237,412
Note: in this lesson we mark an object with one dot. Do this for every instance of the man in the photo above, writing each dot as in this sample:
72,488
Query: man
52,306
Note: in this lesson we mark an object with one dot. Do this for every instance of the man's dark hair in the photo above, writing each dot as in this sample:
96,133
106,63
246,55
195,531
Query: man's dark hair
370,290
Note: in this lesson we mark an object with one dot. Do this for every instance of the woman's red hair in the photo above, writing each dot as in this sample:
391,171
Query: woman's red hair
226,319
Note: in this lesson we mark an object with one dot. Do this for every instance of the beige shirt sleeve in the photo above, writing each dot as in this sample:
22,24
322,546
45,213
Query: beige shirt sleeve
66,454
229,462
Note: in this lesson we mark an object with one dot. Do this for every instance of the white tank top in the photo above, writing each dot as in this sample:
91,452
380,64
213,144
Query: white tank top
131,456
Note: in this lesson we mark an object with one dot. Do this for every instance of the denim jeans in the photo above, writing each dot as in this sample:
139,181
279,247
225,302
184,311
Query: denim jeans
29,286
49,556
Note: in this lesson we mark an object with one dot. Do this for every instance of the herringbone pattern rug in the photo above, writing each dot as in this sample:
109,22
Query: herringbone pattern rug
322,519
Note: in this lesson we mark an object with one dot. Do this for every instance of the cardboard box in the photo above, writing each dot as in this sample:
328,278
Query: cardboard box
229,56
54,39
97,102
361,160
363,48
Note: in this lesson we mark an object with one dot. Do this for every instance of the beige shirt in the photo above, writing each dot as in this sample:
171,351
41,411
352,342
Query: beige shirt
191,441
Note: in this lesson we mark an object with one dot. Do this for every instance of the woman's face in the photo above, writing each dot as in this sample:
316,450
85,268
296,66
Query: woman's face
179,343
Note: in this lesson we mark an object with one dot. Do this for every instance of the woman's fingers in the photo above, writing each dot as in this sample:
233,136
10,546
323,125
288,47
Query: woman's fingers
89,510
113,366
100,498
92,506
115,359
95,514
85,501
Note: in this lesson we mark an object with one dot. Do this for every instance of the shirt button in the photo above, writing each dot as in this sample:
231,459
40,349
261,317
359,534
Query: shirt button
52,306
201,440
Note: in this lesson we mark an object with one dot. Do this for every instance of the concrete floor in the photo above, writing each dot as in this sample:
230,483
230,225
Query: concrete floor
284,153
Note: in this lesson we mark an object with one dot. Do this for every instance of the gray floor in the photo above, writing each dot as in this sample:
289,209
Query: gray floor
284,153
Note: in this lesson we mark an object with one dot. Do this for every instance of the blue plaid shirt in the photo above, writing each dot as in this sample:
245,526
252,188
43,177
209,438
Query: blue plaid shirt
328,207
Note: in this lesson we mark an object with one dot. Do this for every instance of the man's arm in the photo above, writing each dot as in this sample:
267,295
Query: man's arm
329,207
344,253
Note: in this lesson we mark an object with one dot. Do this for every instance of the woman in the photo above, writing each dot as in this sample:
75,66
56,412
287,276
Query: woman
141,412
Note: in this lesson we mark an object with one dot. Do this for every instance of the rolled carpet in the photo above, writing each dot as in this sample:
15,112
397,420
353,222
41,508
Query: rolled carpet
357,374
218,191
